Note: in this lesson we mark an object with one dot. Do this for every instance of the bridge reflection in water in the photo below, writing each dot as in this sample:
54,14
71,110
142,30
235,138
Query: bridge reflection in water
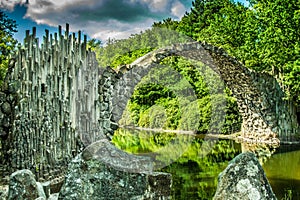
195,171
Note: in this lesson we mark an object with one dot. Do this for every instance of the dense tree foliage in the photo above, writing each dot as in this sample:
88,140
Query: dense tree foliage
144,115
148,94
124,51
7,42
166,23
264,36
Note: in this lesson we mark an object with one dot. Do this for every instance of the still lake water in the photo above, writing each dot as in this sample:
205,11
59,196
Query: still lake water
196,161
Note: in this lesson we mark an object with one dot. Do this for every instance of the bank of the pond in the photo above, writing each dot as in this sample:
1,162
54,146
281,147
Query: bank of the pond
237,136
158,130
221,136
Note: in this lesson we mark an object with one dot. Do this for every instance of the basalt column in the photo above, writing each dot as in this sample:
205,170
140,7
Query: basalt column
48,103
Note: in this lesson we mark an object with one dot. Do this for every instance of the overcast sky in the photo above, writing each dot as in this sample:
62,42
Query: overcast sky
101,19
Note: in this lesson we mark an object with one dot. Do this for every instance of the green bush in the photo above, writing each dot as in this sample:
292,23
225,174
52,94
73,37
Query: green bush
187,95
128,57
211,114
157,116
143,114
189,116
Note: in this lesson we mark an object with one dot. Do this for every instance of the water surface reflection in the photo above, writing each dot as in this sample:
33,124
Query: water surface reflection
196,161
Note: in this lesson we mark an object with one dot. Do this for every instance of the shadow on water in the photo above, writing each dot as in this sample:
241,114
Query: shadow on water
196,163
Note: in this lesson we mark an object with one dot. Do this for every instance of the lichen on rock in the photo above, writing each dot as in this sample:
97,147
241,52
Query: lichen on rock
244,179
23,186
104,172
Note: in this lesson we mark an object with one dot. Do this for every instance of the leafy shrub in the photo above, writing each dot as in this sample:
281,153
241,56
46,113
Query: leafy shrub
189,116
219,114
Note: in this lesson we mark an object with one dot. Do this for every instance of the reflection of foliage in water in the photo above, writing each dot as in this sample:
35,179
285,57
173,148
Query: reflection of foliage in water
194,176
163,148
195,172
134,141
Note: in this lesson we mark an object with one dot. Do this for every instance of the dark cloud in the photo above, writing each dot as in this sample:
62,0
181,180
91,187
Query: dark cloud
105,18
120,10
44,3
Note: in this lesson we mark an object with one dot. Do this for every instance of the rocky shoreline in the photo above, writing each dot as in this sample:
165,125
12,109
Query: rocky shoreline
244,178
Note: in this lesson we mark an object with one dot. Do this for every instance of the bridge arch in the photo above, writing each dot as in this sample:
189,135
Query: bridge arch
259,96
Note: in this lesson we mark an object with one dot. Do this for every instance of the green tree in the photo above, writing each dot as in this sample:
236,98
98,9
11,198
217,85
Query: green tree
198,19
168,23
278,33
149,93
278,41
94,44
227,28
7,42
264,36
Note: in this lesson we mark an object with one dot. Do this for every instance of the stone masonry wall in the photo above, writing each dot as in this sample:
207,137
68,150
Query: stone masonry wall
106,88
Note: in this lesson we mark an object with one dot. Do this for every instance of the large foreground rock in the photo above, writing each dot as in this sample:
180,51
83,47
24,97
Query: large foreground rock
244,179
23,186
104,172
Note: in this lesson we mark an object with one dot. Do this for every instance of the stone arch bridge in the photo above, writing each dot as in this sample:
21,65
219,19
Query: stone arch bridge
56,100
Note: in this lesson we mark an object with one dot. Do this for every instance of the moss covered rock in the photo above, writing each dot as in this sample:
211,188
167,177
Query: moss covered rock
244,178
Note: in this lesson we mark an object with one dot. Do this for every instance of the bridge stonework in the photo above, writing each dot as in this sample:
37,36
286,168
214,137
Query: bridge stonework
266,115
56,100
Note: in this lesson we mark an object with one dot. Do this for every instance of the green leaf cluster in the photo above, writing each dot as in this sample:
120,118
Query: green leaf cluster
7,42
212,111
154,106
